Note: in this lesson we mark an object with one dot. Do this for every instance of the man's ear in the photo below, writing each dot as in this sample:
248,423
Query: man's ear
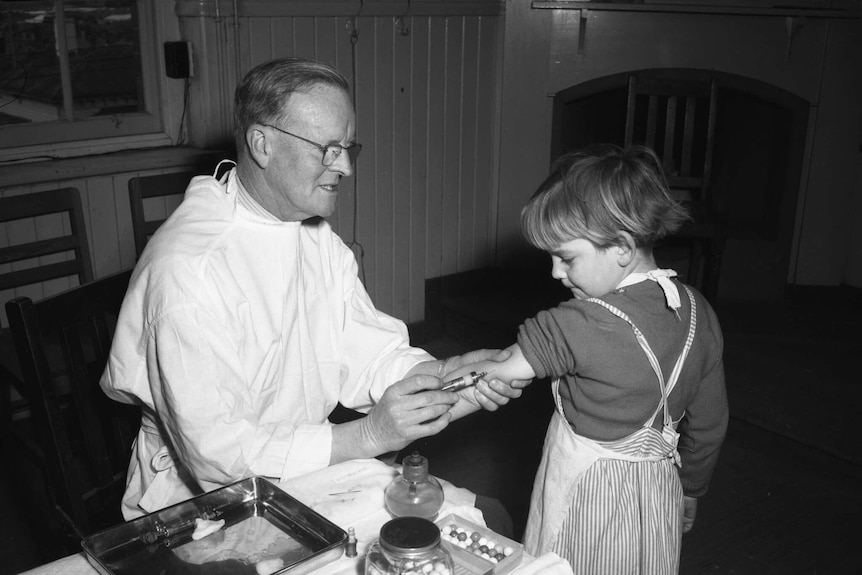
626,248
259,145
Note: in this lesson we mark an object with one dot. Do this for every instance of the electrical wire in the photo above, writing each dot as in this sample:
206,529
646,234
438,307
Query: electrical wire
181,138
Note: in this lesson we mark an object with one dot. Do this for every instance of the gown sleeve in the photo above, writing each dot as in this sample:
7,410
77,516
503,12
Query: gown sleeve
375,347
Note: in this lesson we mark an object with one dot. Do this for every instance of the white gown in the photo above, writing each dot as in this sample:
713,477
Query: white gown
238,336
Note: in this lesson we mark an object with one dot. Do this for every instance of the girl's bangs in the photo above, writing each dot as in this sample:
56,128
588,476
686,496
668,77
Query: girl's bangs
547,222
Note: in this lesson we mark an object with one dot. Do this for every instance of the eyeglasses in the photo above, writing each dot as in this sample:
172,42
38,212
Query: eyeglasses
331,151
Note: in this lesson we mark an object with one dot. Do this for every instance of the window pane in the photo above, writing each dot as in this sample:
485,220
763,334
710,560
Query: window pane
99,72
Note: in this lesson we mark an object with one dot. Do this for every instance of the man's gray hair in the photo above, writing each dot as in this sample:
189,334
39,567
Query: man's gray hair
262,94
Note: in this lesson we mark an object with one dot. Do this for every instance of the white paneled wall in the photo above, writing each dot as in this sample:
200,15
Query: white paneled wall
422,201
108,220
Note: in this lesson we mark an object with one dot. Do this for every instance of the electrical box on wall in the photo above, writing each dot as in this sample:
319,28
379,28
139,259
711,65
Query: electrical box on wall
179,60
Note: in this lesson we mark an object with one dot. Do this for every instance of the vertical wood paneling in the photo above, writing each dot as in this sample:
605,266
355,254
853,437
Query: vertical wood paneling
281,36
486,145
326,40
384,193
100,206
342,59
401,166
304,37
436,133
467,224
417,191
452,152
211,90
257,34
369,168
420,203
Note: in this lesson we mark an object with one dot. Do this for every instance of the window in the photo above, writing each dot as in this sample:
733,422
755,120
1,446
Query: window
76,70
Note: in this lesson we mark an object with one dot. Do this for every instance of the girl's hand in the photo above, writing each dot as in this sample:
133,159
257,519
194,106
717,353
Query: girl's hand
492,394
689,512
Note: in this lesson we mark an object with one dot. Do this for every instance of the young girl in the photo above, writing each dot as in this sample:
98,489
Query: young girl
636,359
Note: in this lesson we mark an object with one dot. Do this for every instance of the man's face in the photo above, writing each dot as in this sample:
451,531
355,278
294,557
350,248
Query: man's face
298,185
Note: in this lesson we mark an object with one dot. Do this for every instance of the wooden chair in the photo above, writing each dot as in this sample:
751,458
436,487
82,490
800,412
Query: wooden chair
47,241
143,188
84,437
674,113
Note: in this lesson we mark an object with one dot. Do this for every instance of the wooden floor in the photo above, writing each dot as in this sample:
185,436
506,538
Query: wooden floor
785,498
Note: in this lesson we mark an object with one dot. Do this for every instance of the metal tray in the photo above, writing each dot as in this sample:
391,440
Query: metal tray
266,531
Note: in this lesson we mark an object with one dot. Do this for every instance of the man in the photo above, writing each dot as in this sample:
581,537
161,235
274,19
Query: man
245,321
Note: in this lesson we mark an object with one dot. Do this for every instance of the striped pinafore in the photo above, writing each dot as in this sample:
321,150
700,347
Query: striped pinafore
612,507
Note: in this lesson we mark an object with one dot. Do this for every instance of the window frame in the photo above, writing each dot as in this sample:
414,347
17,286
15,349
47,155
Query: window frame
59,138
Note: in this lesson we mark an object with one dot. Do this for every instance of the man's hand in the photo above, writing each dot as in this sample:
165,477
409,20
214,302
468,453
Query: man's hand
409,410
689,512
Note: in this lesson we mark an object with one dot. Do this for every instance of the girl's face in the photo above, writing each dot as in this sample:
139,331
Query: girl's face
586,270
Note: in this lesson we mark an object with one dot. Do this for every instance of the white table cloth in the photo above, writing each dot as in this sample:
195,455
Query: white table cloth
349,494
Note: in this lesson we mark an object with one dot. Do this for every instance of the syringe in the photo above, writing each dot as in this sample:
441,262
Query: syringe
464,381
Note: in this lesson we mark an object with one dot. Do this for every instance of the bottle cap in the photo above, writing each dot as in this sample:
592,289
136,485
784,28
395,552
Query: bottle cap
415,467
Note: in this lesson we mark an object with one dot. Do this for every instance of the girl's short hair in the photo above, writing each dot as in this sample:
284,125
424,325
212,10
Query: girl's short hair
597,192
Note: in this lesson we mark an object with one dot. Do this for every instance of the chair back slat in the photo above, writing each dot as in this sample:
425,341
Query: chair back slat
39,248
93,439
687,137
69,244
63,343
676,118
674,114
29,276
142,188
668,146
46,240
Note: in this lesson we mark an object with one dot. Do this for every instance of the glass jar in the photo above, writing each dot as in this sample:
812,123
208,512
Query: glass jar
408,546
414,492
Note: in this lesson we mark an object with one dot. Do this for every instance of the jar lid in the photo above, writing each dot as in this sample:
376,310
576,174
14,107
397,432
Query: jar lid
408,535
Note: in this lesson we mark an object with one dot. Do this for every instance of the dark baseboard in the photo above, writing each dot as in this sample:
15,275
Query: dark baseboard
844,294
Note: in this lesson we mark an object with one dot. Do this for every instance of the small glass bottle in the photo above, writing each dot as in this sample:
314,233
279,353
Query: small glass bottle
408,546
414,493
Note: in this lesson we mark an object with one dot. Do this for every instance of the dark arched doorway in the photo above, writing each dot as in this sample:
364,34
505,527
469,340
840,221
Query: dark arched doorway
757,164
